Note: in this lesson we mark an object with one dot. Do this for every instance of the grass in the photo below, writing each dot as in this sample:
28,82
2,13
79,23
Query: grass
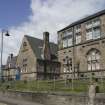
47,85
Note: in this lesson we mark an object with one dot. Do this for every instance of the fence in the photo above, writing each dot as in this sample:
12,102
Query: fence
76,85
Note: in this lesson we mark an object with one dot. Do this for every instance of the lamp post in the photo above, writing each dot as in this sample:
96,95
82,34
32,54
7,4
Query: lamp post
3,32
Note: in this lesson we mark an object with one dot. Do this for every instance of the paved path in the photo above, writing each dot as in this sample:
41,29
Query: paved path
2,104
10,101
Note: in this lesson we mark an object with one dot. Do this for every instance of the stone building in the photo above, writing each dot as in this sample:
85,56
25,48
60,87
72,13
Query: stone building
82,47
9,72
37,59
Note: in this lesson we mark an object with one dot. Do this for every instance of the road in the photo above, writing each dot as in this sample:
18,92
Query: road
10,101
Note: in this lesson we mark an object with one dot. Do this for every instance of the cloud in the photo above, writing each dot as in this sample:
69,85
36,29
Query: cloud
49,15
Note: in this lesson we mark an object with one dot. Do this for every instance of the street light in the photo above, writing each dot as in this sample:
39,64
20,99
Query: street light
3,32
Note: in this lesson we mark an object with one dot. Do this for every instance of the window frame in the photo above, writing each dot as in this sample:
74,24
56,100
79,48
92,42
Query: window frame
92,27
93,61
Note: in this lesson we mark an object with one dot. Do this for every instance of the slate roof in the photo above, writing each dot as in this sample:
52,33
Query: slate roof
84,20
37,45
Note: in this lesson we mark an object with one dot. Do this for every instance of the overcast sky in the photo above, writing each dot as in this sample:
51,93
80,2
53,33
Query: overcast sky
33,17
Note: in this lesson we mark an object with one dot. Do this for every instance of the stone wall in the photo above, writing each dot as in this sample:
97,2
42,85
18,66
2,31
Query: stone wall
78,52
26,60
46,98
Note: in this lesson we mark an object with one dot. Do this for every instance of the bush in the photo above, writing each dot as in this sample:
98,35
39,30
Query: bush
97,89
25,81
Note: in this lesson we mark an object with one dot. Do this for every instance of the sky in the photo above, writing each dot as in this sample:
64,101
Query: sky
14,12
33,17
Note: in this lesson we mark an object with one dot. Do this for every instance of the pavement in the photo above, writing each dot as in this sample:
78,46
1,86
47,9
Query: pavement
11,101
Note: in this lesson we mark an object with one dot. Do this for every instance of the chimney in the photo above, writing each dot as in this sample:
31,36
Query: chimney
46,46
11,56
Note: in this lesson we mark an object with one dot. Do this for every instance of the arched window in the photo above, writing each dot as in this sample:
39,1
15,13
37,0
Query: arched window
93,60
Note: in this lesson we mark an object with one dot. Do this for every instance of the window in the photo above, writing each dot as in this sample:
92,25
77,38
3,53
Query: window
25,67
89,67
78,38
64,70
64,43
25,64
93,60
89,34
89,25
93,33
10,65
96,22
68,32
66,38
93,30
96,33
70,42
67,64
78,28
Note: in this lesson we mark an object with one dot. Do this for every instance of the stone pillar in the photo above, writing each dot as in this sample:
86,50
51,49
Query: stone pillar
92,94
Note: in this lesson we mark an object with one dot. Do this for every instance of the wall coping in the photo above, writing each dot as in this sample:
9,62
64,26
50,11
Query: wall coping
98,95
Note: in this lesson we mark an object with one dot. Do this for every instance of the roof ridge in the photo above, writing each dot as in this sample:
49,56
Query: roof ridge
32,37
38,39
79,21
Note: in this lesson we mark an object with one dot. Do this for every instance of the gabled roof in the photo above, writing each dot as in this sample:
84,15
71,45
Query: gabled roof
37,45
84,20
11,61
